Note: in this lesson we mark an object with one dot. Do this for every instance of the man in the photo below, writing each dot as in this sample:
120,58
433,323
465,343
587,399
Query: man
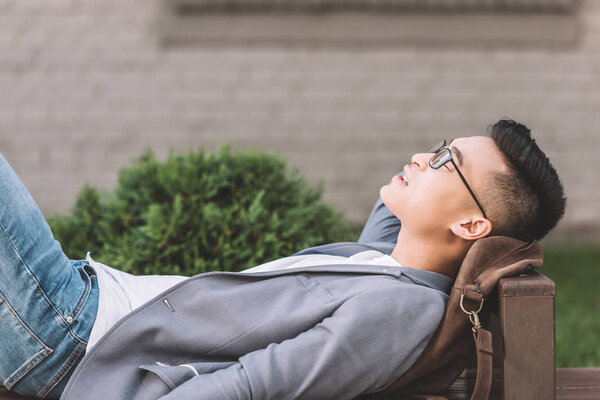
333,321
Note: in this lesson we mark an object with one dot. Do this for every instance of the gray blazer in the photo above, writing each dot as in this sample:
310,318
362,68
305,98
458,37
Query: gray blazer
325,332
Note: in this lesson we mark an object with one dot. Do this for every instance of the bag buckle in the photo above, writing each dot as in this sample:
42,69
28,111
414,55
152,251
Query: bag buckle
473,315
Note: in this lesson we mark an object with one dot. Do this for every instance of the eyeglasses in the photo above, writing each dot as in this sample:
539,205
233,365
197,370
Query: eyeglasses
441,156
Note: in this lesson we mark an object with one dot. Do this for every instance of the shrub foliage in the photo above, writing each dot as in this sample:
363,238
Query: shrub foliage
199,212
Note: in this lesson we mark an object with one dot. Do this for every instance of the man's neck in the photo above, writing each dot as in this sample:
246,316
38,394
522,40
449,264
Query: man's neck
430,255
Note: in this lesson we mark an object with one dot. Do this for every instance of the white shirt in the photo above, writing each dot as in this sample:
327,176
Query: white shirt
120,292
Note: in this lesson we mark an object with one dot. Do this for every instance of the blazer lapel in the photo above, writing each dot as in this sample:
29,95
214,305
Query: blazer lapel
347,249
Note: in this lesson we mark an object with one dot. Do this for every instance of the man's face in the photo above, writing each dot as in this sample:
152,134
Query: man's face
436,198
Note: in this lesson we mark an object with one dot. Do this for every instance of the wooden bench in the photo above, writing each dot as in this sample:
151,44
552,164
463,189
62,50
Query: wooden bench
526,339
524,345
523,339
525,348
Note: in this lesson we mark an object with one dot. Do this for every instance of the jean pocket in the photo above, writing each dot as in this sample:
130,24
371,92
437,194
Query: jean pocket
20,349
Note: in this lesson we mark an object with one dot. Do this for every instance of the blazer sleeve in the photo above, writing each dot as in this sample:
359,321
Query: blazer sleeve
363,347
382,225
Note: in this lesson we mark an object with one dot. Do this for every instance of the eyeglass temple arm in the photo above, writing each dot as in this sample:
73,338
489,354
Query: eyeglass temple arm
467,185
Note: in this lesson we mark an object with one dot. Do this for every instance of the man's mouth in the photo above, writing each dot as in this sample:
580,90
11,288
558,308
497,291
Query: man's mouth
400,180
405,174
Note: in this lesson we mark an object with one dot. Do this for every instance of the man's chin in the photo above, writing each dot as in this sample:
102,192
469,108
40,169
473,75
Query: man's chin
382,192
387,198
385,194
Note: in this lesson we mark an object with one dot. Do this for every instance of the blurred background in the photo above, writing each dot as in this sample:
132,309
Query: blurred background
345,90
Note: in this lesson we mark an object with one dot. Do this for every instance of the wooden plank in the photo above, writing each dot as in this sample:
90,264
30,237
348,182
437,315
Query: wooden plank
578,383
531,284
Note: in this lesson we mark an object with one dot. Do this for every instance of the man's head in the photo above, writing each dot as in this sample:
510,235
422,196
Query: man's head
515,183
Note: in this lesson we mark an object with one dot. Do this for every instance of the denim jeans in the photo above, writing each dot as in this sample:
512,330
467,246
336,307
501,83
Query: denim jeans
48,303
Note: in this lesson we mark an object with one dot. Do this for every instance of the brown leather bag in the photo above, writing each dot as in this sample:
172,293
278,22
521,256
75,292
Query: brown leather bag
451,347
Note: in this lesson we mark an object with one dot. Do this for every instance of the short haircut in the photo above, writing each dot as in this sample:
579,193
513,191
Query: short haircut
527,201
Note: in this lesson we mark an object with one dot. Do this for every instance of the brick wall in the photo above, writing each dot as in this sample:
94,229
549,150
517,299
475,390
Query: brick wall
85,87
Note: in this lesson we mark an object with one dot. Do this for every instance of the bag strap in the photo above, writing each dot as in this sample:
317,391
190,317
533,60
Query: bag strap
483,345
483,382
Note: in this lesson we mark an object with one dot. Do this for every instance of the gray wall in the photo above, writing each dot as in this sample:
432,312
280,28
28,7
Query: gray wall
85,87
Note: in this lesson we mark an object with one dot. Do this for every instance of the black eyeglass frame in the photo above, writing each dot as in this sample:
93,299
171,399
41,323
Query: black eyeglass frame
448,156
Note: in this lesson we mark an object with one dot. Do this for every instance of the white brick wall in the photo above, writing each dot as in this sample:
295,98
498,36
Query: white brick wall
85,87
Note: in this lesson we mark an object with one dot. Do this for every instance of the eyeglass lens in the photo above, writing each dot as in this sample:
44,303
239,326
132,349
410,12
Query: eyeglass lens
440,158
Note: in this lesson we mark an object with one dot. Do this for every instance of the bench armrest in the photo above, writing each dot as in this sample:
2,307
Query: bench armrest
526,305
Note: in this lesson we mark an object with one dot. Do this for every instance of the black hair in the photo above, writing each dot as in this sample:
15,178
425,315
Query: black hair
527,201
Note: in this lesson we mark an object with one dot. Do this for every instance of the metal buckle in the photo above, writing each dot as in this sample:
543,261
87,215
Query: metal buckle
472,314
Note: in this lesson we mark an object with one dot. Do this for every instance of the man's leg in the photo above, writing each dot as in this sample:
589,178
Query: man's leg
382,225
48,303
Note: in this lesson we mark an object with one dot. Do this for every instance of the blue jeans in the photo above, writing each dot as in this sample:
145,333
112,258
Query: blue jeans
48,303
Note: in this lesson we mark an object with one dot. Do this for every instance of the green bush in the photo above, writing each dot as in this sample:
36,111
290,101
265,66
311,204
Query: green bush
575,269
196,213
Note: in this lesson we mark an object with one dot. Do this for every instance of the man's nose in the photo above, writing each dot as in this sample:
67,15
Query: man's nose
421,160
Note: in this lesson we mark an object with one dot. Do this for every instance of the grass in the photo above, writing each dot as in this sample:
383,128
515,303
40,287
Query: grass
575,269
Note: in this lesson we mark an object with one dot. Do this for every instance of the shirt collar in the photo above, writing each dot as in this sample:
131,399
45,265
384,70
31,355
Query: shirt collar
431,279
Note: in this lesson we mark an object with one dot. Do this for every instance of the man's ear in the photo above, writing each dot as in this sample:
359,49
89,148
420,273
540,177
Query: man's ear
472,228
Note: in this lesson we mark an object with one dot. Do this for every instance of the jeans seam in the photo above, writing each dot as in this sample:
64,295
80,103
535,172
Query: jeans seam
39,285
66,367
28,367
83,298
60,315
46,351
19,255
